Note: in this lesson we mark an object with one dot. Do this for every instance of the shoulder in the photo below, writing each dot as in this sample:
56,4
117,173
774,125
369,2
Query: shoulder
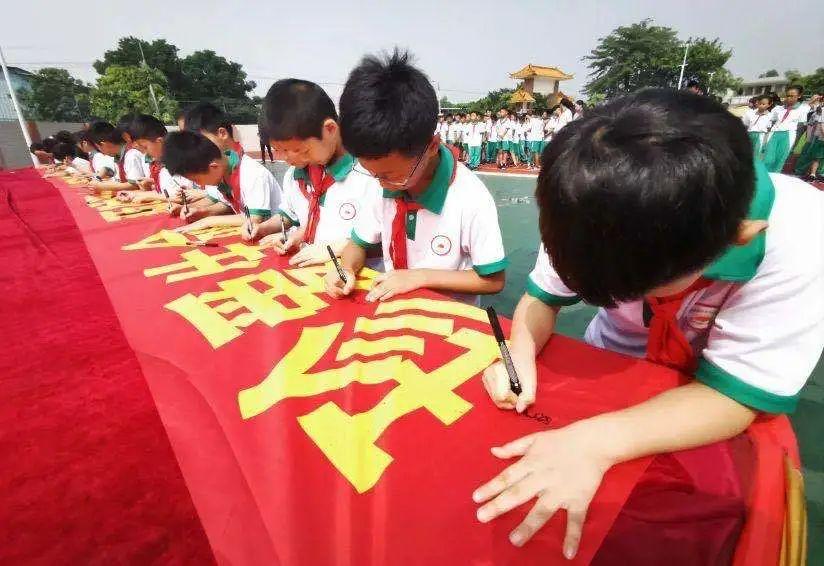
469,191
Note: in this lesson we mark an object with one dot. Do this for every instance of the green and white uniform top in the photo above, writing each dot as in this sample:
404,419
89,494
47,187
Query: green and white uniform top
133,164
755,122
787,120
102,164
456,228
535,131
758,329
342,206
453,132
492,130
506,129
79,165
259,190
475,134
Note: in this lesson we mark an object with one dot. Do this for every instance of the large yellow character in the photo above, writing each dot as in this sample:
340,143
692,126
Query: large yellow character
112,210
222,315
197,263
349,441
172,239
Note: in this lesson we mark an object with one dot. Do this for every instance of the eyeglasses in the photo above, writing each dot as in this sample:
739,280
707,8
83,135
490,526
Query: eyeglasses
358,168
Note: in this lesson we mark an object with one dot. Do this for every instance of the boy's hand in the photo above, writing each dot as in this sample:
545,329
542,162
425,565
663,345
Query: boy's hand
496,382
174,208
336,288
281,247
396,282
190,214
124,196
145,184
196,225
561,468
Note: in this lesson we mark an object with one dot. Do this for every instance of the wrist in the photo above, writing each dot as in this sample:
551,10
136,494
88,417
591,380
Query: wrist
606,439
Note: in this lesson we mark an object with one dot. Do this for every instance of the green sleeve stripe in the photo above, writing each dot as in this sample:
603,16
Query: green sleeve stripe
361,242
713,376
490,268
533,290
294,221
213,199
264,213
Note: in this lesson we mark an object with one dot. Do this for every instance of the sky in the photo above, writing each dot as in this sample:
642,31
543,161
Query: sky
467,48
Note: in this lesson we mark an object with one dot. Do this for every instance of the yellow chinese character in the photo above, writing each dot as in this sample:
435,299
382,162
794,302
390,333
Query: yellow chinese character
112,210
349,441
197,263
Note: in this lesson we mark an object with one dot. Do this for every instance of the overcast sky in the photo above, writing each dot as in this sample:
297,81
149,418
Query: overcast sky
466,48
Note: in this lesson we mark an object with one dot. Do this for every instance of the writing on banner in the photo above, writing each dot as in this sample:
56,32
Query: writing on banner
349,442
172,239
112,210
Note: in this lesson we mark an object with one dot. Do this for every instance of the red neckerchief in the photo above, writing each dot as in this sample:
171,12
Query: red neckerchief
320,182
154,173
786,113
121,167
234,184
667,344
237,148
403,207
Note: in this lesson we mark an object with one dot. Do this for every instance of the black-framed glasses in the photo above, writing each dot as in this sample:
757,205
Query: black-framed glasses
358,168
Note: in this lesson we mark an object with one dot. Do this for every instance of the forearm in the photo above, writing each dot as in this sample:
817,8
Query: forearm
226,220
270,226
532,325
116,186
464,281
218,209
685,417
353,257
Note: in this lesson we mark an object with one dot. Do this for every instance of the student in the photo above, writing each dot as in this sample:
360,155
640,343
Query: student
44,157
113,142
694,87
66,154
505,136
474,141
516,148
103,166
454,132
437,222
212,122
493,142
757,121
810,163
620,194
239,182
466,130
580,106
323,199
535,140
785,119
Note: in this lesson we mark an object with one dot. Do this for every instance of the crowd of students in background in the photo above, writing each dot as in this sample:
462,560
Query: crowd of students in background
506,139
778,127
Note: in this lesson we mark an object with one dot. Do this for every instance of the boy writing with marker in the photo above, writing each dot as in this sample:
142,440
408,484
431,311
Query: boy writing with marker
111,141
736,304
436,223
212,122
235,184
322,198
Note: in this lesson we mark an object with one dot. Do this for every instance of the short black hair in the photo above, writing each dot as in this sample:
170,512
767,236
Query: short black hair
104,131
799,88
36,146
64,136
125,123
296,109
205,116
641,191
63,150
764,96
387,105
693,83
188,152
147,127
49,143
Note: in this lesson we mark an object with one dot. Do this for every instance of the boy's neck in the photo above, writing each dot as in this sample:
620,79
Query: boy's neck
228,170
338,153
418,189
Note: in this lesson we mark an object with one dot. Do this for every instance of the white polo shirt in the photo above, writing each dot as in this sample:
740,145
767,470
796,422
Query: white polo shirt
453,132
492,131
536,129
342,205
475,134
784,121
755,122
758,329
101,162
81,165
173,184
505,129
133,163
259,190
457,228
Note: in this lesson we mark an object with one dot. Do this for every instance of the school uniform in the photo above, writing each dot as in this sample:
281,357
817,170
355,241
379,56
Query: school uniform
329,201
475,137
451,225
130,165
781,138
535,136
518,139
753,326
103,164
757,127
493,141
466,128
814,148
505,133
79,165
453,133
250,184
443,131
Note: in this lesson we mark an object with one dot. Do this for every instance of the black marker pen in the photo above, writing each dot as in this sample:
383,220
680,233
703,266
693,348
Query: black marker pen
514,383
341,273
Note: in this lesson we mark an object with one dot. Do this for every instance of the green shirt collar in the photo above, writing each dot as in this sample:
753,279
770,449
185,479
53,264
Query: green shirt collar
338,169
739,263
433,197
233,158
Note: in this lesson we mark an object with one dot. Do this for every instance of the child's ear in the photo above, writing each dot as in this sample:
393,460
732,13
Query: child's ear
330,126
748,230
223,133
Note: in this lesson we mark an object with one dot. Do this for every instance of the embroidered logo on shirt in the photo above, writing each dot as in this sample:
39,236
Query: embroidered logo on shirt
441,245
347,211
701,316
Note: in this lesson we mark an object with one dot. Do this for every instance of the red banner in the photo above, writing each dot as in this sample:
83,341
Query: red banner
313,431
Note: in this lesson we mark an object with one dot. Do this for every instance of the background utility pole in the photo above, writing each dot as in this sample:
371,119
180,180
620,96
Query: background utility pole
16,105
151,88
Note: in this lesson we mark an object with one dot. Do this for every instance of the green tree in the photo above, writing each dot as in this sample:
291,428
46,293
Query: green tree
124,90
768,74
55,96
160,55
210,76
493,101
814,82
645,55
